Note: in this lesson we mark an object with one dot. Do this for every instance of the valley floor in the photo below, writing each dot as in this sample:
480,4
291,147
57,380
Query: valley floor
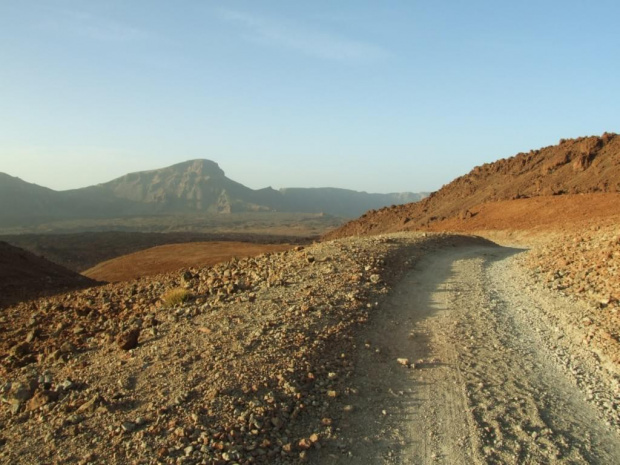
497,375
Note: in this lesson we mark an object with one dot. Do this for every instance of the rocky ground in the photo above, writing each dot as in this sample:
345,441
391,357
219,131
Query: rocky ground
585,264
316,354
471,360
245,371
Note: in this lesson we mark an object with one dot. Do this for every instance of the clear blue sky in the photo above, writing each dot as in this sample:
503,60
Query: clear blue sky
366,95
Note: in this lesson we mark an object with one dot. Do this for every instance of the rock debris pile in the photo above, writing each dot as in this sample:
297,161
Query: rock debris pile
250,368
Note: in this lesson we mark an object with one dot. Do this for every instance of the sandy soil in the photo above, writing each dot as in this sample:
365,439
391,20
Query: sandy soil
556,213
496,377
171,257
81,251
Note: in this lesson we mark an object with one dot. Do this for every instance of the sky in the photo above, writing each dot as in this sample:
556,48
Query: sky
372,96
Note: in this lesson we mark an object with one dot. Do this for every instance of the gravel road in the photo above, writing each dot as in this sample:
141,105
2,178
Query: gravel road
467,361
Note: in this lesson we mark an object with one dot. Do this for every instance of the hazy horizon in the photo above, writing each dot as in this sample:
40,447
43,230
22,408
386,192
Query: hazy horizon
353,95
226,174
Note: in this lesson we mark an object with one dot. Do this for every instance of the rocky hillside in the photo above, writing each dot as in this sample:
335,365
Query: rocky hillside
24,275
17,196
244,362
25,204
195,186
574,166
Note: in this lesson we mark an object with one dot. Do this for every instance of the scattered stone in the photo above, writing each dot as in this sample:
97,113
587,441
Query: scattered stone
66,385
278,351
91,405
42,398
305,443
75,419
20,350
128,426
67,348
129,339
32,335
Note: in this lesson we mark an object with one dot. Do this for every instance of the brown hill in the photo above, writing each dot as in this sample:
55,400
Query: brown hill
576,166
171,257
25,276
81,251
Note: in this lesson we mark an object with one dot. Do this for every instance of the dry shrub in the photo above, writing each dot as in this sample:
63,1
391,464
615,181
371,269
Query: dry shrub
176,296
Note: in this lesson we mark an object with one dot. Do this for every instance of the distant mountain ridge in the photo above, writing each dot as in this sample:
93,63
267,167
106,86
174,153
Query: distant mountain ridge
199,186
341,202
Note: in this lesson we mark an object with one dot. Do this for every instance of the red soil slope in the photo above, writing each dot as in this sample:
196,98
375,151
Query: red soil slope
555,213
171,257
578,166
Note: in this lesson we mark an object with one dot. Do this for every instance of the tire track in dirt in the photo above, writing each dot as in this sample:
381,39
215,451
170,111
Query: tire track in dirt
485,387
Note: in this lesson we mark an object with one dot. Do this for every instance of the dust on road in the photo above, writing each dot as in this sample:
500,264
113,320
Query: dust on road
492,381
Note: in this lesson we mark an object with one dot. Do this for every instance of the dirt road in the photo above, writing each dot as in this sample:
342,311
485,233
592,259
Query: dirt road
494,378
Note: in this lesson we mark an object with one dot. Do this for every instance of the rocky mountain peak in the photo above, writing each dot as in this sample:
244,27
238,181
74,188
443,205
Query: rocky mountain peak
200,166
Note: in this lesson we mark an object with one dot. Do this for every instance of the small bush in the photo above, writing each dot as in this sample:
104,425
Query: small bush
175,296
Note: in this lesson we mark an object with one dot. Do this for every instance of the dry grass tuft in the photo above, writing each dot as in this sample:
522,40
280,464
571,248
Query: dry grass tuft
176,296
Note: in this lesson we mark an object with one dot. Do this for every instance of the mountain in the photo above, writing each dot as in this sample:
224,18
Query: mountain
341,202
191,186
18,197
194,186
201,185
23,203
585,165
